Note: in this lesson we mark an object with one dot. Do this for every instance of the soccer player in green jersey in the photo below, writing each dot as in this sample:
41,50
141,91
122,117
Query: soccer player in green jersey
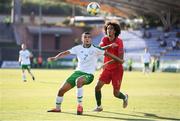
87,55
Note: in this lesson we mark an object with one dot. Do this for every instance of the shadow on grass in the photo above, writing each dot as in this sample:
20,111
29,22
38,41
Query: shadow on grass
137,117
117,118
150,115
106,117
146,115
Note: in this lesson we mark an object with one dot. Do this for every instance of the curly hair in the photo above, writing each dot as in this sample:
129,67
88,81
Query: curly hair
115,26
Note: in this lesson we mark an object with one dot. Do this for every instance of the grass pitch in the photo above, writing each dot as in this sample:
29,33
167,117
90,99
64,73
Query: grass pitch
151,97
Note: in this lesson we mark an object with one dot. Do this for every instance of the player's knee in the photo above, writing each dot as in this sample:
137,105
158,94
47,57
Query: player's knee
97,88
99,85
79,82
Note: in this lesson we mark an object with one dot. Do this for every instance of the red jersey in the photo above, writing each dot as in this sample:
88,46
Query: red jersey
117,51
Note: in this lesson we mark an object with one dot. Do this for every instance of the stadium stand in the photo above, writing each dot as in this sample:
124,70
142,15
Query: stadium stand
8,46
134,44
6,33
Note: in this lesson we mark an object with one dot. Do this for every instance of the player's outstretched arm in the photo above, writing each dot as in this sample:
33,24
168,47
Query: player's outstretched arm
60,55
105,64
110,45
114,57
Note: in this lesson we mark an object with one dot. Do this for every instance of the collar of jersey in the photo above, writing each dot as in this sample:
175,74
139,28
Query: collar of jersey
87,47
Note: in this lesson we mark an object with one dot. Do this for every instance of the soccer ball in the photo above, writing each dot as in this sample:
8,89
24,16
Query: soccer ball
93,8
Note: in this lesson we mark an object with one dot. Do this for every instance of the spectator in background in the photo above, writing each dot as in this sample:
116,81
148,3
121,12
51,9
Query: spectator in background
157,62
147,34
173,42
146,59
32,18
130,62
35,63
40,61
49,64
163,43
7,20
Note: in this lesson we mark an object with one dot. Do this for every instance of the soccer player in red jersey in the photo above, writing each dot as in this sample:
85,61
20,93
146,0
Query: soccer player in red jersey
112,70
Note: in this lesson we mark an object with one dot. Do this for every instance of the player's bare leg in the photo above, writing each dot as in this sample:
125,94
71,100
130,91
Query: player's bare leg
59,99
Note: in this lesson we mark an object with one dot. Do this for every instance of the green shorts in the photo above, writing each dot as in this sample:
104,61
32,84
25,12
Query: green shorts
26,67
72,79
146,65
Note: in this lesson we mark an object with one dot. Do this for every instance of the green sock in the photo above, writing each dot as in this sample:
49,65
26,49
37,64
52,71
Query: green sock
121,96
79,99
98,97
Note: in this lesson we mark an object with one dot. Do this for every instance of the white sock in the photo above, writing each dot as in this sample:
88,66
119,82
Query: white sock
79,95
58,102
99,106
23,76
